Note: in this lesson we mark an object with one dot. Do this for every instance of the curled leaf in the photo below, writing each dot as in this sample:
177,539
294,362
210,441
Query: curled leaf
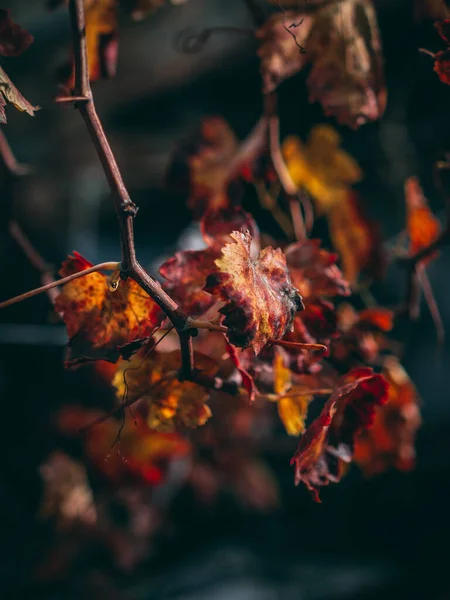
99,320
261,301
328,443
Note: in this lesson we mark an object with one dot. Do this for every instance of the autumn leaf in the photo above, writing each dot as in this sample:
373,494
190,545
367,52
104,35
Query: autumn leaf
98,320
261,301
292,401
357,239
247,380
314,271
280,56
362,333
390,441
430,9
321,167
186,271
13,41
125,451
328,443
206,166
342,44
422,226
152,380
442,58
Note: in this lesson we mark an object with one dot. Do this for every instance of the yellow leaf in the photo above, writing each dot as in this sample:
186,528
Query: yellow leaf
321,167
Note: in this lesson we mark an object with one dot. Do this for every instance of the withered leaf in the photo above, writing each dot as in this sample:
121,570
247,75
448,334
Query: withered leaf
99,320
341,41
186,271
247,380
261,301
390,441
205,167
152,379
314,271
328,443
13,39
9,92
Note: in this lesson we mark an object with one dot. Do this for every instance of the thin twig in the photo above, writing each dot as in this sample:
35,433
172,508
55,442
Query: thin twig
11,162
107,266
34,257
125,208
209,325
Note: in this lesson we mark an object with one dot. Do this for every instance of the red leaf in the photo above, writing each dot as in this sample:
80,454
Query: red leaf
247,379
328,442
13,39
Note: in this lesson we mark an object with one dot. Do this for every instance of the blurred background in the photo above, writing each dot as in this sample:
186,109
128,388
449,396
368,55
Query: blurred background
385,537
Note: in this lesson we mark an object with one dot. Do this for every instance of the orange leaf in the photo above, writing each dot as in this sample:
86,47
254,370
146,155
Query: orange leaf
152,378
356,238
390,441
328,442
423,227
261,301
99,320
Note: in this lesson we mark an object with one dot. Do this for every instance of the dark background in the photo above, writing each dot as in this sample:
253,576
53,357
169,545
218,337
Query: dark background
387,537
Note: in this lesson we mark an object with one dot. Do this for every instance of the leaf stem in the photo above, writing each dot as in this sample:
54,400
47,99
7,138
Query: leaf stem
107,266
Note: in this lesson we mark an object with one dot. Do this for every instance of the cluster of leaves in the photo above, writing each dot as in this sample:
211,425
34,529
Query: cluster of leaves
274,323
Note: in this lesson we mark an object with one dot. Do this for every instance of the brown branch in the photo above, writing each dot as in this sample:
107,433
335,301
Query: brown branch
11,162
289,187
125,208
34,257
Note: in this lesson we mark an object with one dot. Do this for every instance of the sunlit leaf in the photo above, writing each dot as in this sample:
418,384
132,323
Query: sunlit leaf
99,320
152,380
422,226
261,301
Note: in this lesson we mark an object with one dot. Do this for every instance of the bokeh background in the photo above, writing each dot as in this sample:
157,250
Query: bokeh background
386,537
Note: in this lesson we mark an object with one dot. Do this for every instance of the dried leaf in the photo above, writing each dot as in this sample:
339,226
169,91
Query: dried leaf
261,301
152,379
328,442
9,92
210,162
423,227
99,320
186,272
13,39
314,271
341,41
390,441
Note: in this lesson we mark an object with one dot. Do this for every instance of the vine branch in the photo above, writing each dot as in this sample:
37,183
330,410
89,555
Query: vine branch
125,208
